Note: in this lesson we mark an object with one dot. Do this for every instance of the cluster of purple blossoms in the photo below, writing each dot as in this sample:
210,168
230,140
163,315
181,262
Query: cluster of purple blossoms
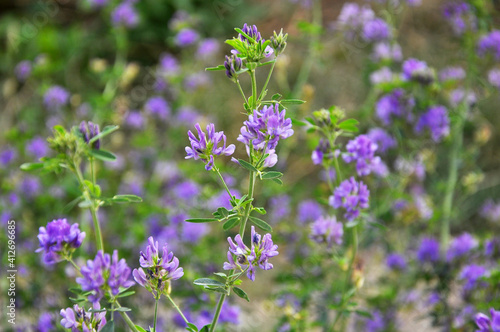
206,146
376,30
352,18
124,15
104,274
158,107
458,96
472,275
90,130
494,78
461,246
264,129
232,64
169,65
352,196
327,230
55,98
58,240
491,211
436,120
428,252
250,30
396,261
383,140
323,149
490,44
460,16
385,51
416,70
186,37
23,70
395,104
309,210
207,48
362,151
37,147
452,74
77,319
261,250
156,272
485,324
383,75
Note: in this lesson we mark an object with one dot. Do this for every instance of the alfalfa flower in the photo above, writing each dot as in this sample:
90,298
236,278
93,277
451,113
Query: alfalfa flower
58,240
352,196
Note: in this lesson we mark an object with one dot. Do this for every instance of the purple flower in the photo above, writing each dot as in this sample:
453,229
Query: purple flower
125,15
45,323
352,18
196,80
233,65
436,120
207,48
471,274
383,75
265,128
135,120
376,30
280,207
58,240
104,274
459,15
23,70
229,314
485,324
187,115
206,146
308,210
452,74
250,30
459,96
55,98
30,187
383,140
409,168
89,130
376,323
37,147
428,250
327,230
169,65
490,44
387,52
157,271
262,248
192,232
417,70
322,150
77,319
186,37
395,104
157,106
396,262
461,246
186,190
7,156
494,78
490,211
352,196
362,151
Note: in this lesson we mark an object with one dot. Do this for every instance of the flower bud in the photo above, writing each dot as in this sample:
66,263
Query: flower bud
233,65
278,42
89,130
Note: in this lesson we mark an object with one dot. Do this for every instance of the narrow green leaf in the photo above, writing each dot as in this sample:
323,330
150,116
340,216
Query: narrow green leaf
206,328
292,101
261,224
298,123
192,327
221,274
276,96
271,175
231,223
105,132
102,155
141,329
260,210
31,166
122,309
201,220
219,67
238,30
208,282
126,199
278,181
60,129
241,293
125,294
247,165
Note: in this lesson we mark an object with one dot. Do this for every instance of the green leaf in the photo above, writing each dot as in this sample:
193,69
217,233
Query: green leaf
200,220
105,132
125,294
60,129
72,204
363,313
76,290
261,224
292,101
141,329
352,224
109,327
126,199
260,210
231,223
278,181
247,165
223,211
122,309
208,282
102,155
350,125
271,175
206,328
298,123
31,166
219,67
85,204
241,293
238,30
216,289
192,327
276,96
221,274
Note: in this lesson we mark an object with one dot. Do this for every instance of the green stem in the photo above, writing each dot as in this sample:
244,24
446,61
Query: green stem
77,268
251,187
177,308
267,80
156,313
92,171
241,91
217,312
126,318
223,182
254,89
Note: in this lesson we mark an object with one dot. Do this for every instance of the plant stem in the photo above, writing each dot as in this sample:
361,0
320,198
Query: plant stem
241,91
267,80
217,312
251,187
254,89
156,313
177,308
77,268
223,182
126,318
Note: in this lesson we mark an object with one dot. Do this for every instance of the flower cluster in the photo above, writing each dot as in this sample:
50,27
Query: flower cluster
327,230
396,262
460,16
362,151
490,44
55,98
436,120
461,246
261,250
207,145
58,240
77,319
90,130
352,196
104,274
322,150
428,251
490,210
485,324
156,272
124,15
395,104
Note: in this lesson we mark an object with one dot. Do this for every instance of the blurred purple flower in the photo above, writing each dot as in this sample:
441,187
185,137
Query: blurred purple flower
322,150
460,16
158,107
383,140
352,18
7,155
436,120
186,190
490,44
362,151
452,74
385,51
308,211
125,15
192,232
352,196
279,207
169,64
135,119
186,37
395,104
490,211
37,147
472,274
461,246
45,322
230,314
428,250
494,78
376,30
23,70
396,261
383,75
196,80
458,96
55,98
327,230
207,48
30,187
